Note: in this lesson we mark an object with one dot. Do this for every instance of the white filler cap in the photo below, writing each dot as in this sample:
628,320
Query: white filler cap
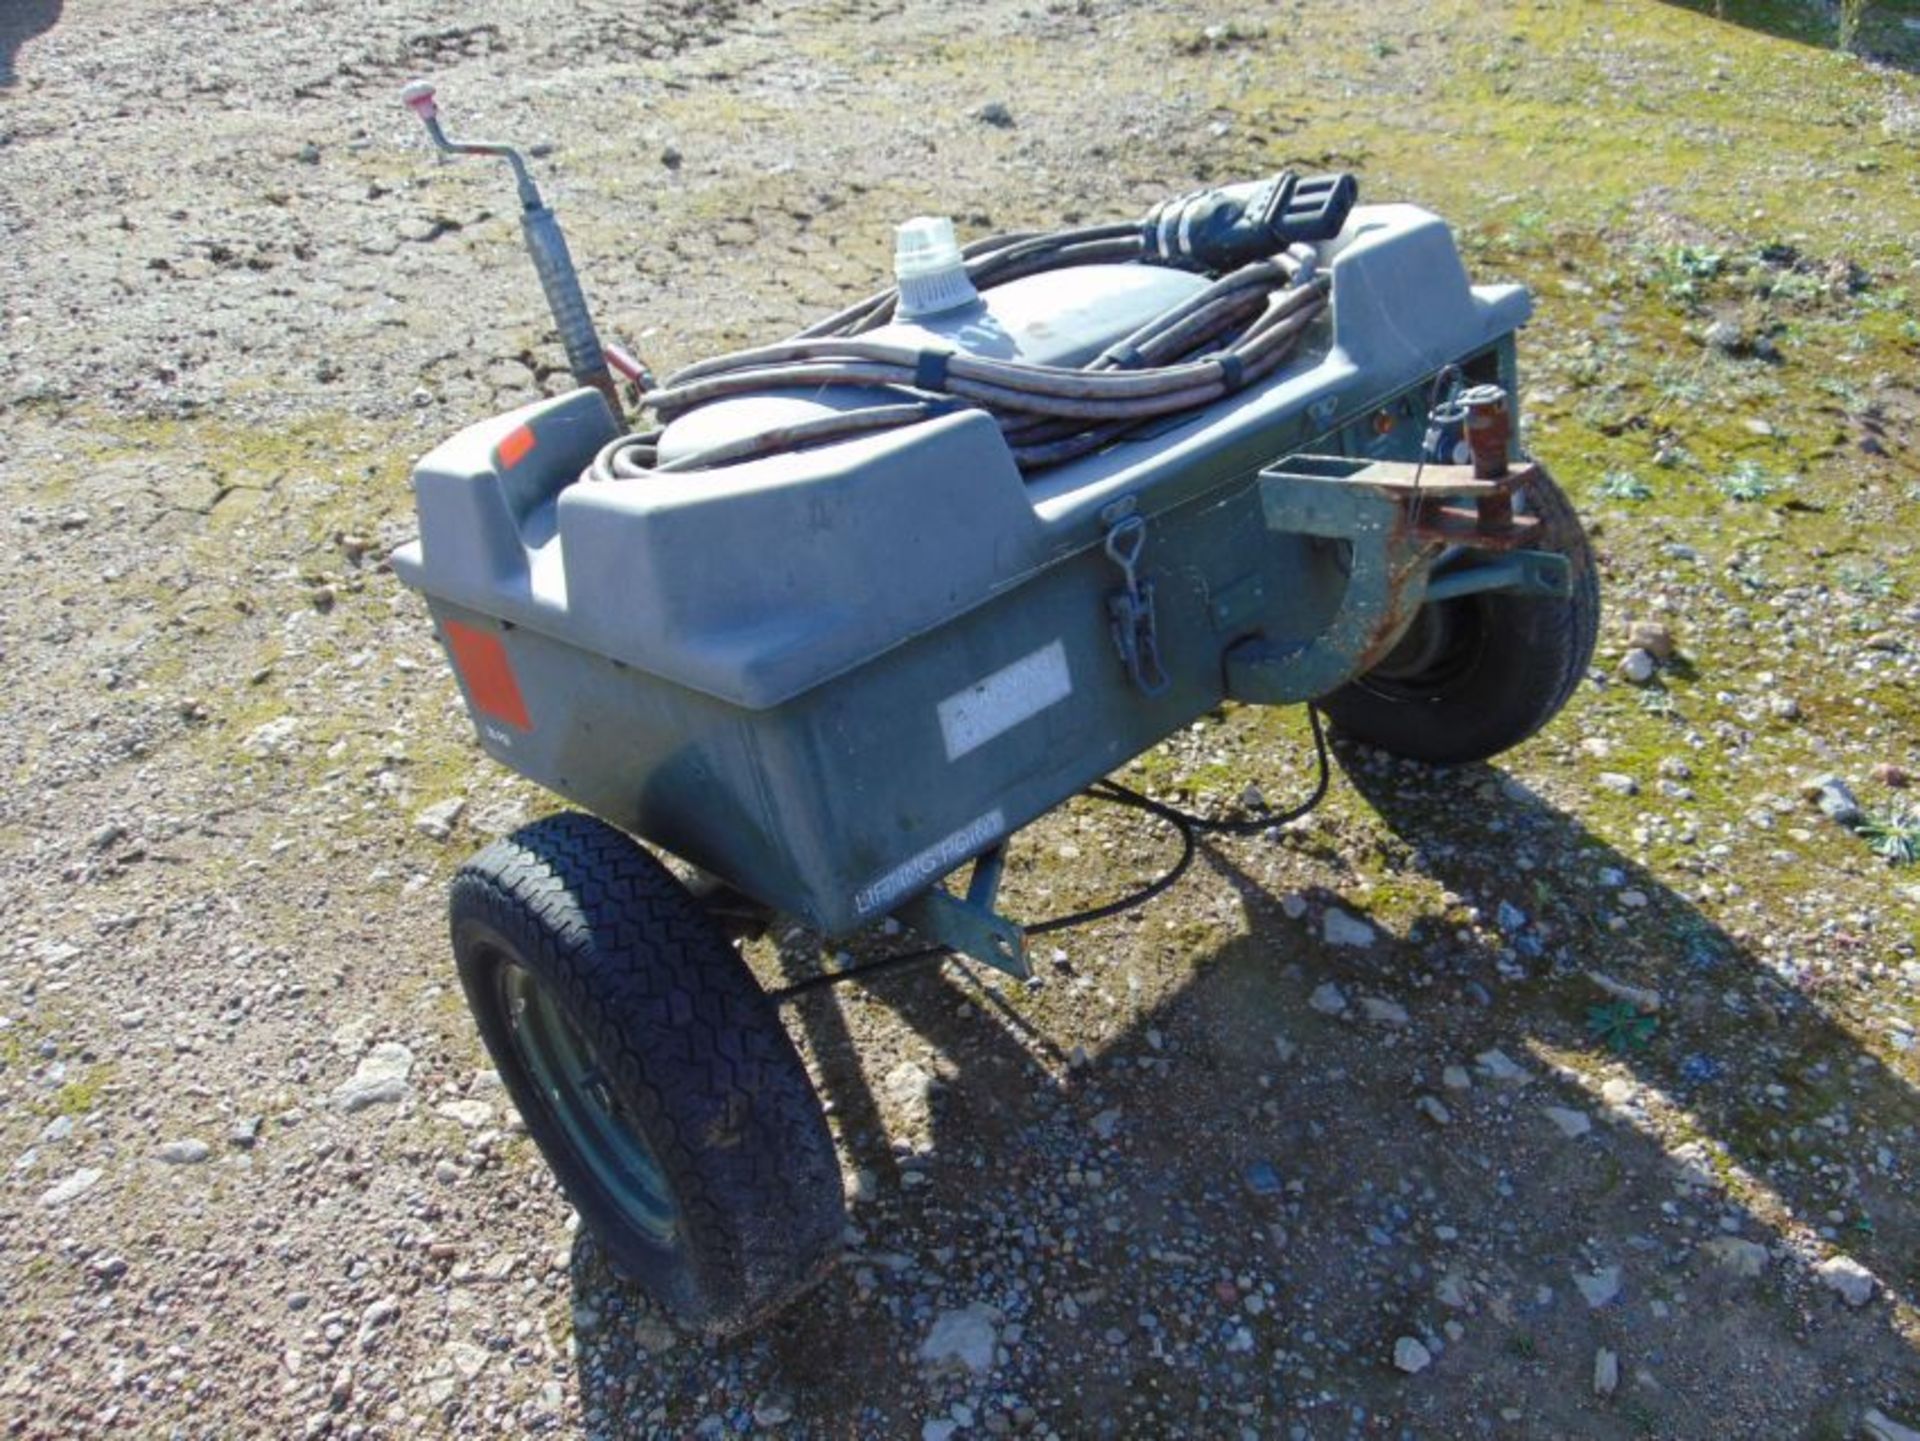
928,268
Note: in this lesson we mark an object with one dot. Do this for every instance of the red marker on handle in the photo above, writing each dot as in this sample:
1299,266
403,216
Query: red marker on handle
419,95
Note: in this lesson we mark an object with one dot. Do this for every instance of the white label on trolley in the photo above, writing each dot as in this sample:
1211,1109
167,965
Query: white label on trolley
991,707
931,864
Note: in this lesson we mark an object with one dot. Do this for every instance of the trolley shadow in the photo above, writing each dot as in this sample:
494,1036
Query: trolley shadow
1237,1072
21,21
1732,1026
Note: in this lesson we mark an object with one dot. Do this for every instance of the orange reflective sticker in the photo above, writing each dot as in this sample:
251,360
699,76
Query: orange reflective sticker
516,447
481,660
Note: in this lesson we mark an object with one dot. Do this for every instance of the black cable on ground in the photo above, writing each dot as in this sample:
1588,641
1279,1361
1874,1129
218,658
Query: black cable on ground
1188,826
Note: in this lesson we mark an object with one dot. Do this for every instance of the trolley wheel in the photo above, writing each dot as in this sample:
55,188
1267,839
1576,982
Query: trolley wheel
651,1070
1478,674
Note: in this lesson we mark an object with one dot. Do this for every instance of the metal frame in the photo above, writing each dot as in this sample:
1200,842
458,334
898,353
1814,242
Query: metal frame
970,925
1407,547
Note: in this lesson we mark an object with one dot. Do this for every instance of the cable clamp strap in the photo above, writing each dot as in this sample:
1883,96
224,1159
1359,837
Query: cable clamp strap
1121,356
930,370
1233,370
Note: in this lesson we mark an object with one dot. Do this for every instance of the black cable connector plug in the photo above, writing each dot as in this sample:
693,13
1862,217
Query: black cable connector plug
1310,207
1221,230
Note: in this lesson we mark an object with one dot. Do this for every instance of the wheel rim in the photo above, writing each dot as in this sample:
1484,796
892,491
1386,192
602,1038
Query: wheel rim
1439,647
578,1091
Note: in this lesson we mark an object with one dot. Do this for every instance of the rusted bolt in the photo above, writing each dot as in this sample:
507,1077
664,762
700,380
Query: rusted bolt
1489,434
1489,430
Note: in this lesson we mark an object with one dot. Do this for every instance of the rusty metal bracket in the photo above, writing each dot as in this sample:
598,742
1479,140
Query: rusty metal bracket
1488,523
1394,516
1312,495
1445,504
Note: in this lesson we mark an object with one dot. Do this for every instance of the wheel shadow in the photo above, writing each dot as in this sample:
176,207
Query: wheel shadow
21,21
1249,1138
977,1070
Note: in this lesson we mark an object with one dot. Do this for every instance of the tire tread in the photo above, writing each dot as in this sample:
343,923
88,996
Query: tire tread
1516,687
693,1045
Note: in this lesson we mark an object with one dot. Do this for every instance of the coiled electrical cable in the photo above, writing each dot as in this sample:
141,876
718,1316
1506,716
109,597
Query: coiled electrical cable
1237,331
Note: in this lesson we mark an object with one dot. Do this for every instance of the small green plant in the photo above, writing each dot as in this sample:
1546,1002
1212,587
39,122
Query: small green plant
1847,29
1624,485
1700,264
1678,387
1589,366
1685,271
79,1096
1796,285
1894,835
1748,481
1869,582
1621,1026
1526,230
1852,399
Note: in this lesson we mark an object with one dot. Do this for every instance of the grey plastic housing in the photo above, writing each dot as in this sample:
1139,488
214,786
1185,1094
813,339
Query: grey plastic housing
830,676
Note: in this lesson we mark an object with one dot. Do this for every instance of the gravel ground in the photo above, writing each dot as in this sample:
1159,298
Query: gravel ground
1569,1097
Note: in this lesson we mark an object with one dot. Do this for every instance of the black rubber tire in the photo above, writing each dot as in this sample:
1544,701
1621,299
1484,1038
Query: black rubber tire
1506,664
690,1049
